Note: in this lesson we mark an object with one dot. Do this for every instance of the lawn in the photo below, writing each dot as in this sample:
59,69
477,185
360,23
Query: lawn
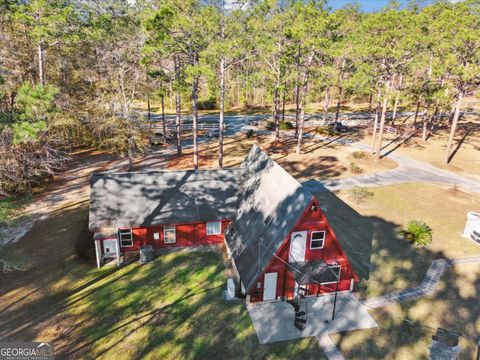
170,308
388,263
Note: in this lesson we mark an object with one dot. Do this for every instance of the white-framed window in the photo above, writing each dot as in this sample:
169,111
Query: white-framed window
169,234
332,278
317,239
214,228
126,237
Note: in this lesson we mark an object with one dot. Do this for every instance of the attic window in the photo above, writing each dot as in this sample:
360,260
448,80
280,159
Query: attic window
317,239
257,206
267,220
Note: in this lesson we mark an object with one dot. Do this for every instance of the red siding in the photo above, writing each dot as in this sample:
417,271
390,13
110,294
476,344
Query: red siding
186,235
311,220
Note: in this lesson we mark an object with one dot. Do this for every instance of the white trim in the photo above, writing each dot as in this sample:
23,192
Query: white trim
170,227
117,243
339,274
352,282
217,223
98,253
122,240
323,241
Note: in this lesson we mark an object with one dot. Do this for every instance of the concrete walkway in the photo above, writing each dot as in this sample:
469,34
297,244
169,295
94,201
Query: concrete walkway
329,347
427,287
408,170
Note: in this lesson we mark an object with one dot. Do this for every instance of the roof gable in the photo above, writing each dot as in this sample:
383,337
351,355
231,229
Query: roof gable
271,203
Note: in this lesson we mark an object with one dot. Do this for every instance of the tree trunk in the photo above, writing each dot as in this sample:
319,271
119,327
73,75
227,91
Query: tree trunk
416,113
397,98
178,109
382,124
453,128
277,112
283,104
221,124
195,122
41,74
375,122
149,112
303,99
164,122
325,107
370,103
297,107
337,112
425,123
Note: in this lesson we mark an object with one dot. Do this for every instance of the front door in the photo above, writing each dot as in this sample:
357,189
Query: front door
298,245
270,286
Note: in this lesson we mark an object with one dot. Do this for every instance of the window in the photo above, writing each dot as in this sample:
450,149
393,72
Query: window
169,234
317,240
214,228
126,237
332,276
267,220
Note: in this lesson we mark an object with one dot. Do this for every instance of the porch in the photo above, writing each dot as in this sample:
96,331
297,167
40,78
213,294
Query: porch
274,321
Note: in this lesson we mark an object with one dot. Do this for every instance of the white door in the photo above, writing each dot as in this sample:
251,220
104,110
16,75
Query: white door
109,246
298,245
270,286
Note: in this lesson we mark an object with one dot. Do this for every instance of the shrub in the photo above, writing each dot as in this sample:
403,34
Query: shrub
361,194
208,104
250,134
323,130
270,125
282,125
418,232
355,169
359,155
285,125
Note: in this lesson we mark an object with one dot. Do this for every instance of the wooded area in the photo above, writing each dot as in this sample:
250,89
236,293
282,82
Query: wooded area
71,72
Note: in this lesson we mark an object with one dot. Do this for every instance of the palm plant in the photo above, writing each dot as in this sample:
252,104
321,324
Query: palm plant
418,232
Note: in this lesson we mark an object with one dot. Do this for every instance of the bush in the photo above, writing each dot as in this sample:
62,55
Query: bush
285,125
359,155
323,130
209,104
355,169
418,233
361,194
282,125
250,134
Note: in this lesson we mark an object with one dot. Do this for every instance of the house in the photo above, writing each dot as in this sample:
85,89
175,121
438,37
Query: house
275,231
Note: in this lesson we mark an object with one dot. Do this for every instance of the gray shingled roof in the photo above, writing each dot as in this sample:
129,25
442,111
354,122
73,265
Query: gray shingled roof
163,197
269,193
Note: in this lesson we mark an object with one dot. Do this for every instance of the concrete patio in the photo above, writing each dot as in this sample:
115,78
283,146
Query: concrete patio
273,321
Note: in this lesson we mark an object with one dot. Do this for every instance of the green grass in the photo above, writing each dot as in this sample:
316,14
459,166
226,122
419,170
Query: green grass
171,308
10,207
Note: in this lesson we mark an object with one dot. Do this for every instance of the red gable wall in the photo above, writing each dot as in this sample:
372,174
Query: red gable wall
311,220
